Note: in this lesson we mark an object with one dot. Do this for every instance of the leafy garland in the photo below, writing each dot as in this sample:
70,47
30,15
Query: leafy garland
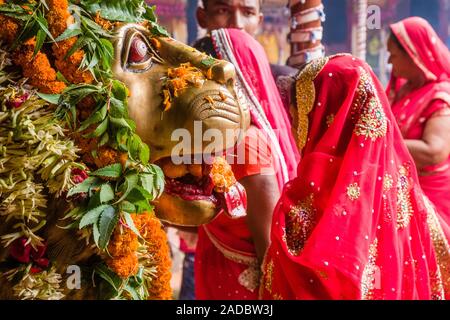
117,190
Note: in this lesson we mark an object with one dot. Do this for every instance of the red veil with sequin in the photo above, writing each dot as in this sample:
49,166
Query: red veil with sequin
355,224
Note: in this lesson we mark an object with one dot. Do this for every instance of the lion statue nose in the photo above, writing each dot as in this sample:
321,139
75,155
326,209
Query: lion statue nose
215,106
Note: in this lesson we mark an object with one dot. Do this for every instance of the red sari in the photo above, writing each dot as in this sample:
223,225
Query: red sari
226,267
355,224
414,110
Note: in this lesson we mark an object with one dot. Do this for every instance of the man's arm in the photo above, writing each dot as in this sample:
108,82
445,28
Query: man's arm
262,197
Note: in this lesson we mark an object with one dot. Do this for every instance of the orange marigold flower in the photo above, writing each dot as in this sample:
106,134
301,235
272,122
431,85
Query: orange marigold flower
124,266
123,242
58,16
106,156
156,43
59,19
179,79
122,249
70,67
222,175
9,29
105,24
157,244
38,69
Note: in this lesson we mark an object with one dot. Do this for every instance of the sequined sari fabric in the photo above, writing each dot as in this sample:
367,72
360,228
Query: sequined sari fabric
355,223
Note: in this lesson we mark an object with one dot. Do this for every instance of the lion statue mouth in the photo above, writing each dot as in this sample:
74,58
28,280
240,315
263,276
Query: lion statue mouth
209,186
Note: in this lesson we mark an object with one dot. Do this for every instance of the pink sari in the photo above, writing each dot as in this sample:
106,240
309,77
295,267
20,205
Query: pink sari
355,224
226,267
414,110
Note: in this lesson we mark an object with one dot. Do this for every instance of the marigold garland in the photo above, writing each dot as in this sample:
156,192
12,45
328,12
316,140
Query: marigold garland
152,231
107,156
59,19
38,69
122,249
9,29
222,175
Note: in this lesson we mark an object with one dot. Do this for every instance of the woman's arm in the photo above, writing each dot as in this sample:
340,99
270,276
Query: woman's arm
262,197
434,148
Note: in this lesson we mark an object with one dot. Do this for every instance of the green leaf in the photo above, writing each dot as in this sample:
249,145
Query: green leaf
117,108
208,62
60,77
160,177
106,193
94,199
40,39
109,276
120,123
107,53
44,26
50,98
119,90
122,137
143,206
130,223
150,13
98,116
158,30
91,217
74,213
130,183
108,221
94,61
72,31
111,171
96,234
133,292
126,206
139,194
81,42
104,140
144,153
101,129
117,10
84,187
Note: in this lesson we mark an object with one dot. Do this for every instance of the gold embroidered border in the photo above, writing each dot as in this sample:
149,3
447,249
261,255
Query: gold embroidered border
440,244
404,205
300,222
370,273
306,95
372,122
233,255
250,278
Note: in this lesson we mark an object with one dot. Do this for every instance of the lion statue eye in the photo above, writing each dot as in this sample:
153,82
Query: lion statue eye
139,51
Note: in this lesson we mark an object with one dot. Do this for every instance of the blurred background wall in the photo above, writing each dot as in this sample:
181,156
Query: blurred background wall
178,16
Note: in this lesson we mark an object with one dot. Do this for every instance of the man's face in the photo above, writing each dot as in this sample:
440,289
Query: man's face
239,14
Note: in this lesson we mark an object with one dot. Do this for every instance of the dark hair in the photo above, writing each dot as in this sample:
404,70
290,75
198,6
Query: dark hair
205,2
396,41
